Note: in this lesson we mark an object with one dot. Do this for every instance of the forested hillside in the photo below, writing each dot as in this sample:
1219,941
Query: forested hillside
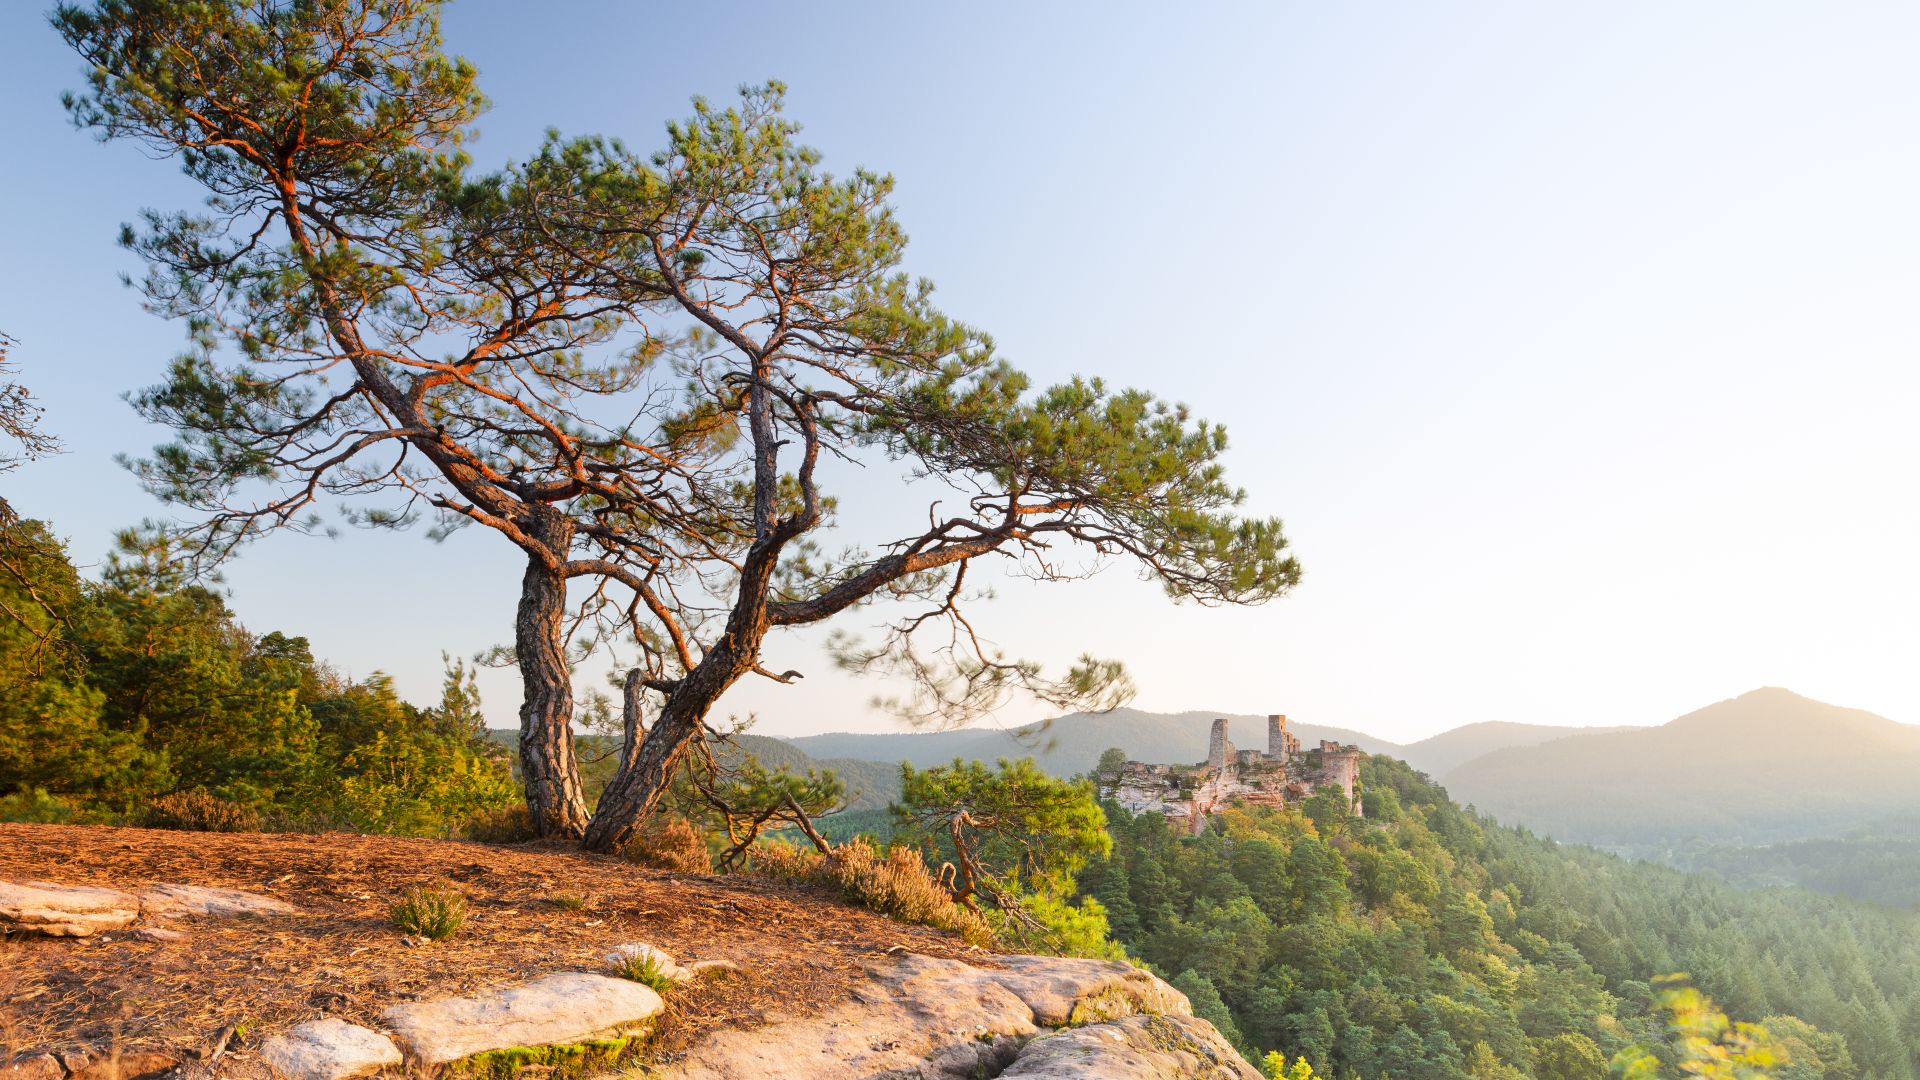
1767,766
1423,942
870,785
140,697
1880,864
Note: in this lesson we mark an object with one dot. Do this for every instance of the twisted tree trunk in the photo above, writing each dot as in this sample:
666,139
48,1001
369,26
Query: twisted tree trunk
637,788
548,769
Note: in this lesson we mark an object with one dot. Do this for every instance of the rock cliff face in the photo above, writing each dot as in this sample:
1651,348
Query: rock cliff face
925,1018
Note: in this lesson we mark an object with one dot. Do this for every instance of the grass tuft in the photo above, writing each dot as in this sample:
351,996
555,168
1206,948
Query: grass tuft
645,970
433,913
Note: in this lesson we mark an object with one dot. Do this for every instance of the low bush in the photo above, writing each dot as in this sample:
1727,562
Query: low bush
673,844
433,913
509,825
35,807
895,882
197,811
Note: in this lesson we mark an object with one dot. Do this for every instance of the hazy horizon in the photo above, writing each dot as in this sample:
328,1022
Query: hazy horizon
1574,346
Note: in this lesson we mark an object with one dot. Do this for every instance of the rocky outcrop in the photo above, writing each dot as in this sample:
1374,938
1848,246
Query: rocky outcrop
329,1049
924,1017
36,1067
565,1008
167,901
1133,1048
907,1016
41,907
74,1065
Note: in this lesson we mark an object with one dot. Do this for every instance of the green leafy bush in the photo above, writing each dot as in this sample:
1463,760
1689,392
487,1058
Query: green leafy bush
34,806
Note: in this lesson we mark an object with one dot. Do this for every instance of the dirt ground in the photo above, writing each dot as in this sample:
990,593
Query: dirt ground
796,948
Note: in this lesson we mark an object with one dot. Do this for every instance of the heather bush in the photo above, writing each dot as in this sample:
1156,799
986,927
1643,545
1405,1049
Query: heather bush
672,844
433,913
197,811
894,882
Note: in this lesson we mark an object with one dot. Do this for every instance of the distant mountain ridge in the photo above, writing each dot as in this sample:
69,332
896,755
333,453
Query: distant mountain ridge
1440,754
1769,765
1072,744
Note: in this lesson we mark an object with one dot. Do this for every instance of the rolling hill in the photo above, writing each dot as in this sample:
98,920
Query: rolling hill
1766,766
1438,755
871,785
1072,744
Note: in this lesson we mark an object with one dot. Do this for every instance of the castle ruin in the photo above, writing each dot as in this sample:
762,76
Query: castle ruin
1278,776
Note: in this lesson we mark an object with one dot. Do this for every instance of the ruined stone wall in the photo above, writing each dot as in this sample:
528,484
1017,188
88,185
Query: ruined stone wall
1186,795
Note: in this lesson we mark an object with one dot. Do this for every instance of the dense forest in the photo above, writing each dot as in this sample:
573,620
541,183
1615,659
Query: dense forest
1881,863
140,697
1424,942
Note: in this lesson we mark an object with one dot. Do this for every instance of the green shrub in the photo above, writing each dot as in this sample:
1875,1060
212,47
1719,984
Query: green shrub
197,811
433,913
35,807
643,969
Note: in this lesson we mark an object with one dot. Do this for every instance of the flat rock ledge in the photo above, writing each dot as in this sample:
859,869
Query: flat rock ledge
566,1008
42,907
329,1049
75,1065
166,901
1133,1048
927,1018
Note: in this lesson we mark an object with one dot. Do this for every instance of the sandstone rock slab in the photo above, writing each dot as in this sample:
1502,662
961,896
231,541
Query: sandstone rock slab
1065,989
1133,1048
42,907
169,900
928,1017
37,1067
561,1008
126,1067
329,1049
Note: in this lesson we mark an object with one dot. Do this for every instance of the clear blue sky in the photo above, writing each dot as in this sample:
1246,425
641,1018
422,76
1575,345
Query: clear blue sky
1575,343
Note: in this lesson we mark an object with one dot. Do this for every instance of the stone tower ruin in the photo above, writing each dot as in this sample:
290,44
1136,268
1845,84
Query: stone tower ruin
1219,750
1342,767
1282,745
